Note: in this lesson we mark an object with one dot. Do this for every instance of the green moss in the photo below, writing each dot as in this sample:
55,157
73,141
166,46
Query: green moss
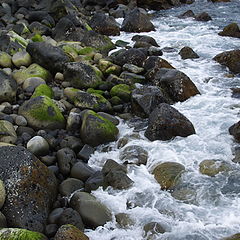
88,27
37,38
115,69
122,91
91,90
116,100
86,51
5,59
20,234
34,70
70,51
43,90
15,37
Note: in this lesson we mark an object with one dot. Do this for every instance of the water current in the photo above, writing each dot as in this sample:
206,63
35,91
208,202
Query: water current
212,209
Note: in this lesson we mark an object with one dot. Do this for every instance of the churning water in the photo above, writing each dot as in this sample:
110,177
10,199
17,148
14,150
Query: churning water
211,210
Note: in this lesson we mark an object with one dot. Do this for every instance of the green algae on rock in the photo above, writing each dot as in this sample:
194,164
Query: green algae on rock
42,113
96,130
20,234
43,90
34,70
7,132
122,91
5,60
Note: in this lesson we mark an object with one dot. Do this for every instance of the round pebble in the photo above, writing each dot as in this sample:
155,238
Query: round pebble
38,146
20,121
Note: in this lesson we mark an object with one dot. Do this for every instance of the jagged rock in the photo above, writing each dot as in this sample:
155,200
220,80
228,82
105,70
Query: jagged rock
165,123
187,52
231,30
81,171
231,59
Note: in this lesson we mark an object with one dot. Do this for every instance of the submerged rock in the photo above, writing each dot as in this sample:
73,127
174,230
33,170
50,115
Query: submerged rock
165,123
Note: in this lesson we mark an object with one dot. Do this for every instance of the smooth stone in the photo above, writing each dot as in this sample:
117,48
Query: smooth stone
22,58
54,215
86,152
81,171
38,146
21,121
70,185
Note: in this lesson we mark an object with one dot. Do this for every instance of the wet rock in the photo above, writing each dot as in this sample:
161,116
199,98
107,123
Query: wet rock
93,212
54,215
38,146
130,56
8,88
41,112
103,24
7,132
17,233
20,121
132,78
81,171
204,17
70,185
47,56
213,167
144,38
96,130
72,142
120,11
165,123
109,117
41,29
43,90
187,52
21,59
111,165
124,220
51,230
5,60
66,159
176,84
231,185
235,131
122,91
233,237
94,182
86,152
134,154
31,188
70,232
187,14
152,228
146,98
231,30
167,174
2,194
82,75
132,68
154,51
231,59
3,221
74,120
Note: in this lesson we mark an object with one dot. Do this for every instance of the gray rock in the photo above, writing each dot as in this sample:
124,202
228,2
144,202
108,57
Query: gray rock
93,212
81,171
5,60
74,120
146,39
153,228
70,185
132,68
66,158
124,220
111,165
2,194
3,221
231,30
165,123
54,215
21,121
204,17
8,134
109,117
38,146
132,78
94,182
32,83
8,88
22,58
86,152
187,52
51,230
31,189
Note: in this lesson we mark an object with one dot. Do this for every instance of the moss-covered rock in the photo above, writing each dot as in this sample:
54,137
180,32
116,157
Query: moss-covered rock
7,132
2,194
5,60
42,113
233,237
122,91
34,70
37,38
213,167
20,234
96,130
95,91
70,51
70,232
167,174
43,90
21,58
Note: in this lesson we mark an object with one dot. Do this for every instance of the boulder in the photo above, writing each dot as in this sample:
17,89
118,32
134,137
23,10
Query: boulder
94,182
21,58
104,24
3,221
231,59
8,88
146,98
157,4
81,171
43,90
176,84
231,30
5,60
136,21
7,132
2,194
93,212
70,185
31,83
203,17
167,174
82,75
187,14
42,113
111,165
233,237
70,232
144,38
132,78
123,91
165,123
132,68
20,234
96,130
187,52
31,188
235,131
151,229
38,146
47,56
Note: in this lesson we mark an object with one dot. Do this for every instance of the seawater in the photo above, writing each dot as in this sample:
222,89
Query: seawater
213,210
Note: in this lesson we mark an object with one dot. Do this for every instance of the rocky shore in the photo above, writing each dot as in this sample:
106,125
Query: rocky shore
63,92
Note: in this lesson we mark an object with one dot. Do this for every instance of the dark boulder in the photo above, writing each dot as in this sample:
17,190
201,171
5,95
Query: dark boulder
187,52
235,131
187,14
136,21
7,44
165,123
203,17
31,188
104,24
158,4
147,39
48,56
176,84
231,59
41,29
231,30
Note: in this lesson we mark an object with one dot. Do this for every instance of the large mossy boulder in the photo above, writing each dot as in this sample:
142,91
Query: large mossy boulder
93,212
8,88
123,91
42,113
43,90
82,75
31,189
47,56
136,21
165,123
176,84
20,234
34,70
230,59
167,174
7,132
96,130
231,30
